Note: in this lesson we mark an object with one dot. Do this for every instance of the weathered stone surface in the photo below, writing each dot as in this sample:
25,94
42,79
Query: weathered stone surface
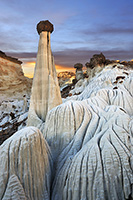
65,78
13,83
89,70
66,82
109,88
66,120
25,164
96,64
91,139
45,26
45,89
79,75
96,164
97,60
100,94
15,60
14,189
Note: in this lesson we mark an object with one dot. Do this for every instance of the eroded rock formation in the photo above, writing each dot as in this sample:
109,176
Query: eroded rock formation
96,64
67,82
96,162
25,166
45,89
98,60
65,78
79,71
91,139
13,83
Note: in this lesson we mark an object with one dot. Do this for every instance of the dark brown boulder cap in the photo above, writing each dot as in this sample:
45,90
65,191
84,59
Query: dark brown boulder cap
78,66
87,64
45,26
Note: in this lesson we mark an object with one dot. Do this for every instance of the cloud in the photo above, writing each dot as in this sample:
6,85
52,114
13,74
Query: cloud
108,30
77,25
69,57
22,55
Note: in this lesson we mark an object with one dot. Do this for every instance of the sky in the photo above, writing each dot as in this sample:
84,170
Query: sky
82,28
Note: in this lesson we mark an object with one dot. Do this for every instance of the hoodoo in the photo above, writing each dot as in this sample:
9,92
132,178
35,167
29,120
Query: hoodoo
79,71
45,89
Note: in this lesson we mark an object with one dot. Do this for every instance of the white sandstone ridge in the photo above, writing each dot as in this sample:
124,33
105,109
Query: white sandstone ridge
112,77
26,166
90,136
13,83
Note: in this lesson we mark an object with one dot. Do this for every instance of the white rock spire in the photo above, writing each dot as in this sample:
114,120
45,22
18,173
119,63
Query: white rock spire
45,90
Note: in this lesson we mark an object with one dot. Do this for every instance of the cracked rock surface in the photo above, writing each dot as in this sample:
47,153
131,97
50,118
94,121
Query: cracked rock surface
26,164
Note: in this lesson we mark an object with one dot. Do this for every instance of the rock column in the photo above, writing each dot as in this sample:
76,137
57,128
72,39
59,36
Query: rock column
45,90
79,71
25,105
88,69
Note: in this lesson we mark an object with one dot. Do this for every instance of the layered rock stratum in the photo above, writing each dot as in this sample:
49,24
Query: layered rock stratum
13,83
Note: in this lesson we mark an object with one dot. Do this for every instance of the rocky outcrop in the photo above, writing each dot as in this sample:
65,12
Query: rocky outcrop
90,139
14,60
45,90
97,60
96,164
110,78
67,82
96,64
65,78
25,166
13,83
128,64
100,94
